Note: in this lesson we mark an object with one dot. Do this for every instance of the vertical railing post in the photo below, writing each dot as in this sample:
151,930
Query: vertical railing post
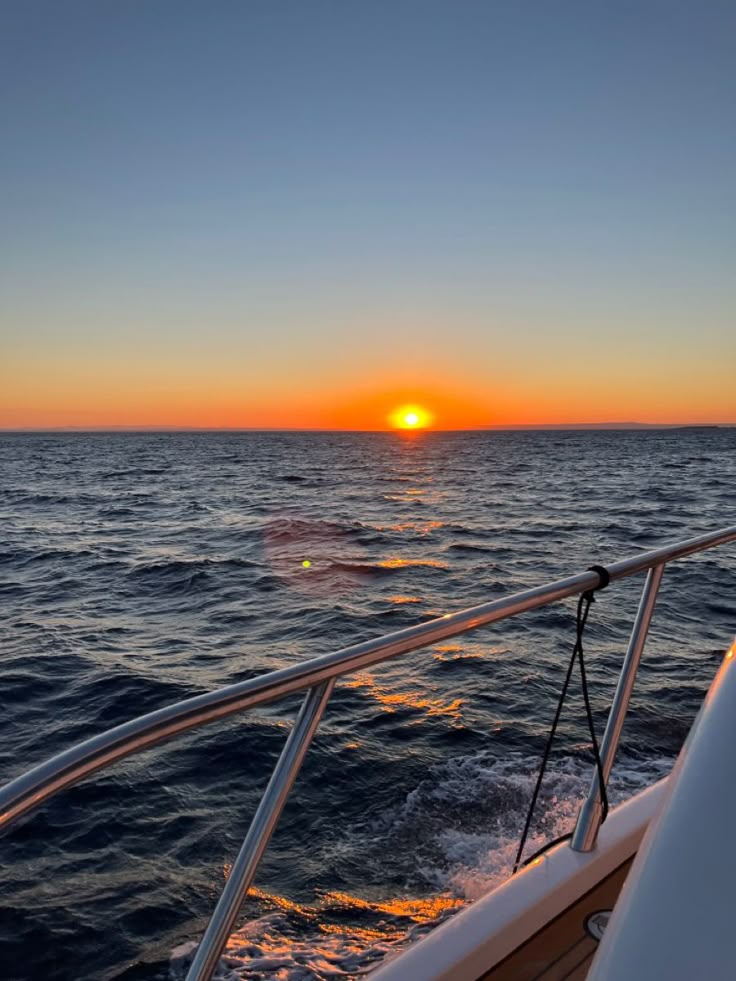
589,819
260,831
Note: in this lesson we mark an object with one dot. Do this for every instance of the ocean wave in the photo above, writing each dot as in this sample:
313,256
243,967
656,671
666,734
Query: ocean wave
385,566
471,547
133,474
171,576
296,528
460,826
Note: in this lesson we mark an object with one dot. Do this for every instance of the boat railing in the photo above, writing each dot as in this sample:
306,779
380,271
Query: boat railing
318,677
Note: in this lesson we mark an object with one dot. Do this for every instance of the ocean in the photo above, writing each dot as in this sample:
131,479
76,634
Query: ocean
137,569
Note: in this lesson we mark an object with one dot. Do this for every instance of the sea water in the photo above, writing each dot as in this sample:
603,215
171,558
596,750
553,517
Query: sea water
137,569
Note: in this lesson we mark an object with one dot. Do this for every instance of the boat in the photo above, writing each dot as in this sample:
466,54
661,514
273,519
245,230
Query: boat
646,893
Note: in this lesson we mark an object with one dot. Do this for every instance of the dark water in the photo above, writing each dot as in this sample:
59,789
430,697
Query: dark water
140,569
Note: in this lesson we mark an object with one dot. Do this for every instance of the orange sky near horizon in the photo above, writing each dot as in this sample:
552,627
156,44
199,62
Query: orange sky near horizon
74,396
283,374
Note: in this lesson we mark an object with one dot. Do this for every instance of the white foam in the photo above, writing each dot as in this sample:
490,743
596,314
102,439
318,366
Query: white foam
463,822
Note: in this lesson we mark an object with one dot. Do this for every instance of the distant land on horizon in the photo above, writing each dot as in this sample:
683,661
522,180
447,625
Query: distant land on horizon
528,427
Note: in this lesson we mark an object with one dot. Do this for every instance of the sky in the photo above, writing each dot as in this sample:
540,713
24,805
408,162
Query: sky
305,214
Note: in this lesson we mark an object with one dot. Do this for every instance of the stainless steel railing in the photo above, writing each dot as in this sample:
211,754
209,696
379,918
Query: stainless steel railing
318,676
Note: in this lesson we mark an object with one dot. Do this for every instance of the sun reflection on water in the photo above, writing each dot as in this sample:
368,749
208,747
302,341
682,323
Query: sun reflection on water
391,700
420,527
396,563
420,909
267,944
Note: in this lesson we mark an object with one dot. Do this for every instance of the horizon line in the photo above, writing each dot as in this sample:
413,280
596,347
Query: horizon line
510,427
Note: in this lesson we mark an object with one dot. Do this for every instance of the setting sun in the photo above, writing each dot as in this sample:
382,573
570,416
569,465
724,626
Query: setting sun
410,417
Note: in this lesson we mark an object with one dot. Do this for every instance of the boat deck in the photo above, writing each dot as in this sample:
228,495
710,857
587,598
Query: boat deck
564,948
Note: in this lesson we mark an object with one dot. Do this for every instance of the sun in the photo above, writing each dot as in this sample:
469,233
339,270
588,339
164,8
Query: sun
410,417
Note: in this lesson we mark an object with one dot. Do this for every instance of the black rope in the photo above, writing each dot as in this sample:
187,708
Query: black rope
581,619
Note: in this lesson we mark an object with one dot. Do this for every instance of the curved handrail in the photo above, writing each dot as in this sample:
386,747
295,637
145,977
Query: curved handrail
32,788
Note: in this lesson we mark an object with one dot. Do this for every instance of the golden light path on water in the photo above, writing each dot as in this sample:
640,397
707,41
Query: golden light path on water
391,700
250,948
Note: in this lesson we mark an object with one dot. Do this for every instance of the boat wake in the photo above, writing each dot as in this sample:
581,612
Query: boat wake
458,831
